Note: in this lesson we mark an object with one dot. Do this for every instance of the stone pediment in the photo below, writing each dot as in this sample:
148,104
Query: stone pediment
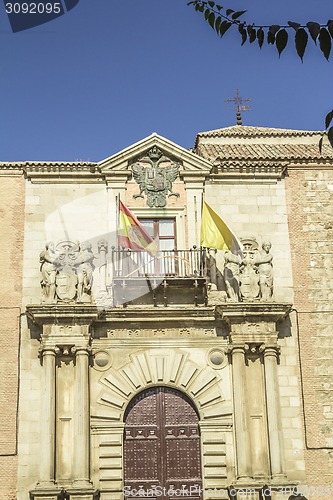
121,162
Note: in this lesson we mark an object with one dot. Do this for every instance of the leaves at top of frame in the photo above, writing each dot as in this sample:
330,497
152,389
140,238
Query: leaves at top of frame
330,136
274,35
225,25
260,37
330,26
252,32
274,28
294,25
314,29
238,14
211,19
229,11
218,21
328,119
281,41
325,42
301,40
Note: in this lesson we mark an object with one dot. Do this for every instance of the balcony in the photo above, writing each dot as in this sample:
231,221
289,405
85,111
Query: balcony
170,277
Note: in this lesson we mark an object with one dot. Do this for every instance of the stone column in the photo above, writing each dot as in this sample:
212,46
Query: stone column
102,250
47,429
243,451
273,411
82,419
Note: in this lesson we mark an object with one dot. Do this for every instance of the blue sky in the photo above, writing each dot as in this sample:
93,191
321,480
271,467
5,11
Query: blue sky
109,73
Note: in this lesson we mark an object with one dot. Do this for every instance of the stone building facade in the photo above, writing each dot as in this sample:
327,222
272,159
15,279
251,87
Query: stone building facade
178,373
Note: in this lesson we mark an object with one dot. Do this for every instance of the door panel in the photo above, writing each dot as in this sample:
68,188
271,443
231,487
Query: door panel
162,445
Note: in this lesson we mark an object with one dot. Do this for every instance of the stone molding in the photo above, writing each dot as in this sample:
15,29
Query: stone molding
171,368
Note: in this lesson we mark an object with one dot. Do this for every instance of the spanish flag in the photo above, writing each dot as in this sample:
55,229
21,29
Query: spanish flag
214,233
131,234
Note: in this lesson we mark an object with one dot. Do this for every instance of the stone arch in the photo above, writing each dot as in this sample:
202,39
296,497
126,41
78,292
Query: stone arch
173,368
170,367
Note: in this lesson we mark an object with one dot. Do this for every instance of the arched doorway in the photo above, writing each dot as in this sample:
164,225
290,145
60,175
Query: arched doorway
162,446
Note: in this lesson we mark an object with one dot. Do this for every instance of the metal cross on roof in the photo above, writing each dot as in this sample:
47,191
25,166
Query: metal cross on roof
238,100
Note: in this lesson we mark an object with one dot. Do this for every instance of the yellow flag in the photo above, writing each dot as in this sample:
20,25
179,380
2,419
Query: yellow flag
214,233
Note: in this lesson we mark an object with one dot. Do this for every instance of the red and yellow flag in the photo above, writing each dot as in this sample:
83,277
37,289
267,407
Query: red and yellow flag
131,234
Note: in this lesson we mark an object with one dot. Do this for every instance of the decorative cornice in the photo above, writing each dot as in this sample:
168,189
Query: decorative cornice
122,160
255,169
88,313
51,313
59,172
252,311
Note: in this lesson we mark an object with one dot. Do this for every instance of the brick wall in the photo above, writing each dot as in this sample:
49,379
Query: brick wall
11,237
310,214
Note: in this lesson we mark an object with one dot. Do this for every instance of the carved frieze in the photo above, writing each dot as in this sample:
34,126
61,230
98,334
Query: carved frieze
155,174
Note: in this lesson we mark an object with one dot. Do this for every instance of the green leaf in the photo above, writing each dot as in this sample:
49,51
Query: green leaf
252,34
330,136
260,37
330,27
281,40
224,27
238,14
229,11
211,20
301,40
294,25
211,4
207,14
217,23
314,29
328,119
325,42
270,37
219,7
274,28
243,32
321,144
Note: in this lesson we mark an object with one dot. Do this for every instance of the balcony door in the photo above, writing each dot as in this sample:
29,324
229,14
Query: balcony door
162,446
163,231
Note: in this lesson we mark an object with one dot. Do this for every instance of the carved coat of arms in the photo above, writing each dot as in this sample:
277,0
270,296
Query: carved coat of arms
67,272
155,180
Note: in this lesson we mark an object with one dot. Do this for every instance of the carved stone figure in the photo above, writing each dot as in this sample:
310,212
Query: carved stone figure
48,269
231,275
66,278
249,277
84,272
66,272
265,268
155,180
214,273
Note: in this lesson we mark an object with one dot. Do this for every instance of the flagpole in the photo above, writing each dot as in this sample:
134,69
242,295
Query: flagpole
117,217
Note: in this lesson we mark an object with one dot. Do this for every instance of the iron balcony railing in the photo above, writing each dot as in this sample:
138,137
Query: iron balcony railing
166,263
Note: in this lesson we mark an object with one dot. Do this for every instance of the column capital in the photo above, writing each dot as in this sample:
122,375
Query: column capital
46,350
81,350
237,348
271,350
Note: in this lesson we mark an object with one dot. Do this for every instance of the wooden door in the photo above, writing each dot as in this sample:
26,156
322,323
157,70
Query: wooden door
162,446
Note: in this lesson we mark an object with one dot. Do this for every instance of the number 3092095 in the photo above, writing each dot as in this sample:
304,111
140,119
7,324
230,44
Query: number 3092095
33,8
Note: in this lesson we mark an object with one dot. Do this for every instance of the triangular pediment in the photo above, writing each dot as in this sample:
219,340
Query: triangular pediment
122,161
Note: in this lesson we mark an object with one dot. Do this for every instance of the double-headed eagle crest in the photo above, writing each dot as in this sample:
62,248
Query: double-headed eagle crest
155,181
